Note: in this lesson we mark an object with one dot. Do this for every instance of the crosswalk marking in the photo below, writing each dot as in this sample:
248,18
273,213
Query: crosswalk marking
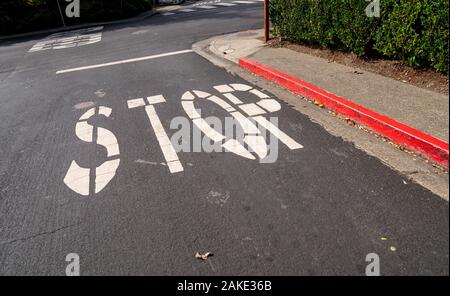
69,39
209,5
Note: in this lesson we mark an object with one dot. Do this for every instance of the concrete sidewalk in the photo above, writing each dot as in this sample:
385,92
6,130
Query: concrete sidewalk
421,109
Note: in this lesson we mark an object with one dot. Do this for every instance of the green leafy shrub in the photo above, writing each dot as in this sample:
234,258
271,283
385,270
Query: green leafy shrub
414,31
303,21
353,28
401,34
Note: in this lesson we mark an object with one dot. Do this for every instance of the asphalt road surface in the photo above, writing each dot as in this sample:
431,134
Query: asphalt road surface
317,210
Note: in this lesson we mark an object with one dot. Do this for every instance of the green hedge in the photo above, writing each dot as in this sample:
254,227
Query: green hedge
414,31
19,16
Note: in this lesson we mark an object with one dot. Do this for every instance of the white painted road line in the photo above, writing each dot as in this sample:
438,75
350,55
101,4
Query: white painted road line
136,103
257,144
211,133
225,4
232,98
77,178
288,141
170,155
206,7
252,109
125,61
105,173
270,105
107,140
169,152
190,110
156,99
235,147
246,124
221,103
223,88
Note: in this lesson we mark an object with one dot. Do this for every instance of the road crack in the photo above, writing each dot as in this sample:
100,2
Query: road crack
50,232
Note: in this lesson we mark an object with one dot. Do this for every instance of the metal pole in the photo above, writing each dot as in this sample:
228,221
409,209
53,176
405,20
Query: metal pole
266,20
60,12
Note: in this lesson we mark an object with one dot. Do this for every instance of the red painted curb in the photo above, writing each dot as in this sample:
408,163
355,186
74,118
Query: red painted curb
397,132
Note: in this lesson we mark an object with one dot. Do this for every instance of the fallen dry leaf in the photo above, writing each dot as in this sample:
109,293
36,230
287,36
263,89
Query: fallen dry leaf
317,103
203,256
351,122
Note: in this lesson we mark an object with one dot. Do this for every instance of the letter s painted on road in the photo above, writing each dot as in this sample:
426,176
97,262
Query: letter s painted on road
78,178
